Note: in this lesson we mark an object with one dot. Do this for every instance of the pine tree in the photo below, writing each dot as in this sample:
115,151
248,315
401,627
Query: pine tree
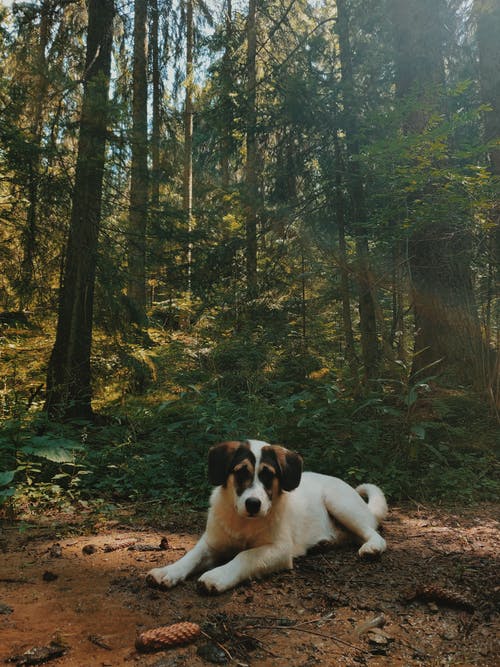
448,336
69,375
138,212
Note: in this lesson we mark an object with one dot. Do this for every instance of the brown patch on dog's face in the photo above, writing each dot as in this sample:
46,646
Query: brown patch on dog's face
287,465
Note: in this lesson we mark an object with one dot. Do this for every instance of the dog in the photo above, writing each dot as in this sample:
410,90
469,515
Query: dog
265,511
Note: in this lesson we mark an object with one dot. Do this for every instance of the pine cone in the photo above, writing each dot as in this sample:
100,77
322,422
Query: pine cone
441,595
167,636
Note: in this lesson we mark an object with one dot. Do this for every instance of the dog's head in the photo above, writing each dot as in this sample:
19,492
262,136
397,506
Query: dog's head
255,472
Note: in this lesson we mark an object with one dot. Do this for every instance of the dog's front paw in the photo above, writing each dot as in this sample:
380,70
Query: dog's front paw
163,577
212,583
373,548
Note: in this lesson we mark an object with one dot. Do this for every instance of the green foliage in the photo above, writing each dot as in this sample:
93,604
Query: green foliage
400,434
411,437
38,468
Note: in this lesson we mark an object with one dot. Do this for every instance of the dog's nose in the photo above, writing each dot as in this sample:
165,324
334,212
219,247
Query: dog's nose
252,505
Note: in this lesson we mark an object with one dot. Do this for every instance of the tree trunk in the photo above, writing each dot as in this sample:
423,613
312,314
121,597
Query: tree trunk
367,305
226,98
69,376
156,108
398,329
350,349
138,211
448,335
488,24
188,136
488,30
251,179
30,234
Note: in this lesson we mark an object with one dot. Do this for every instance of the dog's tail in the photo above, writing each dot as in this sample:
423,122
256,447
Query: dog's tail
375,498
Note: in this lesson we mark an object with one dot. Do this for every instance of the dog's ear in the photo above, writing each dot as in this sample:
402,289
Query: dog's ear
219,462
290,467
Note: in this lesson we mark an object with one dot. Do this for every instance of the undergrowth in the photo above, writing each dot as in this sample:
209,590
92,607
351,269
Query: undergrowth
160,414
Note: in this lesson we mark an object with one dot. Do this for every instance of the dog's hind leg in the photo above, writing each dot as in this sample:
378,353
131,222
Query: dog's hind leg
198,559
353,513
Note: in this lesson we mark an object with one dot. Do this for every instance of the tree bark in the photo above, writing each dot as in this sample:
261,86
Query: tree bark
487,14
69,375
488,24
251,179
30,234
226,98
367,305
156,108
138,210
188,137
448,336
350,348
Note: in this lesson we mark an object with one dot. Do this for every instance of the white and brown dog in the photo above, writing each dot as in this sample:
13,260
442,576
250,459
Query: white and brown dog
265,512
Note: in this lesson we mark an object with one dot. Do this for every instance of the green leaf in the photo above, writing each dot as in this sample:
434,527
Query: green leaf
412,397
51,453
49,440
6,477
58,450
7,493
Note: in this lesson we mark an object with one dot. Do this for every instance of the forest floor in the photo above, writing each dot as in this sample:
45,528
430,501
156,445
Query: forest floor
79,582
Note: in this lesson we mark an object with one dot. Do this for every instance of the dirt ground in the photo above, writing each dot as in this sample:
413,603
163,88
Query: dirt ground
436,589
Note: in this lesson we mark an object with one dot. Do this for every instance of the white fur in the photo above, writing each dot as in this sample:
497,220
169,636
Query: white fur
283,529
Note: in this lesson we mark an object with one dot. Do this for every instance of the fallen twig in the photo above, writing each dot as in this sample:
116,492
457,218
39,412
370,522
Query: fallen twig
99,641
376,622
312,632
218,644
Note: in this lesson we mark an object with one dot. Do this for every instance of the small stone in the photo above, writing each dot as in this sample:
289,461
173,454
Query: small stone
89,549
212,653
55,551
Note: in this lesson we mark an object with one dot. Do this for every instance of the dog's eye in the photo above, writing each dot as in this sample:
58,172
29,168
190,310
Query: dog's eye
242,474
266,476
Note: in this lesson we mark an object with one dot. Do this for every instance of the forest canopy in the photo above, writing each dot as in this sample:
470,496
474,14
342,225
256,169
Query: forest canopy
249,218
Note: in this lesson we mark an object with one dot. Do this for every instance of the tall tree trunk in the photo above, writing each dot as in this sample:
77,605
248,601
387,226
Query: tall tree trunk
30,234
447,334
188,136
367,305
488,30
138,211
68,376
350,348
488,26
251,178
226,97
156,108
398,328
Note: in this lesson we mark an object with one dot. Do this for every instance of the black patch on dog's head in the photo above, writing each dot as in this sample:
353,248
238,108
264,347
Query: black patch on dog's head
243,472
288,465
225,457
268,477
